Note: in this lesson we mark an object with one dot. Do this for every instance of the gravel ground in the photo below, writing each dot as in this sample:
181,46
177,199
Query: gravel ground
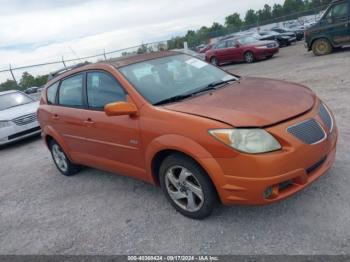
94,212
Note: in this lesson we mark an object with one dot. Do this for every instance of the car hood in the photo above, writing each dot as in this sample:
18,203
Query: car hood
253,102
14,112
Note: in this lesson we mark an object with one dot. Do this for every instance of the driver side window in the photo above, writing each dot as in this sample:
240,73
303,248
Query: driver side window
103,89
338,11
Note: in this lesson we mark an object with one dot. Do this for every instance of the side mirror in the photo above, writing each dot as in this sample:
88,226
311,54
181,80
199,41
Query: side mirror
237,46
120,109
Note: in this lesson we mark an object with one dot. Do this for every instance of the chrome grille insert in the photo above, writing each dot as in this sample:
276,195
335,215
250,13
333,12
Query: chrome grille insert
309,132
326,117
24,120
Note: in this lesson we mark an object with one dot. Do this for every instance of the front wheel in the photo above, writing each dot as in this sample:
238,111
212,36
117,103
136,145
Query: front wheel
321,47
214,61
187,187
63,164
249,57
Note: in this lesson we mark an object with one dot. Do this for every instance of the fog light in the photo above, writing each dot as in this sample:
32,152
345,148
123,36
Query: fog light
268,192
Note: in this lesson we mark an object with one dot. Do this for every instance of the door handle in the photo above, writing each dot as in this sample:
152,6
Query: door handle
89,122
55,117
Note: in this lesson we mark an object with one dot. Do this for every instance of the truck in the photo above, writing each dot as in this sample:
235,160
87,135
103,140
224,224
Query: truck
332,31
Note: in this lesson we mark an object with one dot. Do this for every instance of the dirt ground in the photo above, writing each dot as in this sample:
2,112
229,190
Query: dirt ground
95,212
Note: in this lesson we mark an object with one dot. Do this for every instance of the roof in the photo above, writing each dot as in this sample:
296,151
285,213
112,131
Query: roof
133,59
115,62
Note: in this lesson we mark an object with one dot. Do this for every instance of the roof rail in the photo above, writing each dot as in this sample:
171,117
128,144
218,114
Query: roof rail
56,73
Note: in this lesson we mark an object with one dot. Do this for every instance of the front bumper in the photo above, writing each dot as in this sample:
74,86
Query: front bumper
14,132
245,178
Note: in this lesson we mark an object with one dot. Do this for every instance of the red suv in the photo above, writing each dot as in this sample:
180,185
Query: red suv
248,49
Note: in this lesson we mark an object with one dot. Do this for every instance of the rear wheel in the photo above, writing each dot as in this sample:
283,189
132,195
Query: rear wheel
321,47
214,61
63,164
249,57
187,187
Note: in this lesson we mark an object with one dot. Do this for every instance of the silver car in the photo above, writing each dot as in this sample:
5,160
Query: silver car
18,116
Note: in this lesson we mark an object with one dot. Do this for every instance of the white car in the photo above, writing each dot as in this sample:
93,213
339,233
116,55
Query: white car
18,116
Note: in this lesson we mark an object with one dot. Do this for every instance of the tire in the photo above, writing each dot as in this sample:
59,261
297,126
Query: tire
214,61
63,164
192,193
249,57
322,47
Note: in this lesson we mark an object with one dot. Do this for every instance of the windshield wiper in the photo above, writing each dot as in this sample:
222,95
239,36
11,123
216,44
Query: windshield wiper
172,99
212,86
220,82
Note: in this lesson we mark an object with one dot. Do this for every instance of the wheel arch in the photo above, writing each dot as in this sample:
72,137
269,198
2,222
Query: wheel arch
165,145
320,37
50,134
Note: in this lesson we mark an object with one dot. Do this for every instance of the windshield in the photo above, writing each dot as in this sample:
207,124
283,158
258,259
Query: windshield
160,79
13,99
247,40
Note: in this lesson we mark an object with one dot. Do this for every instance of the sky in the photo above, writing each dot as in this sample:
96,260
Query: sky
38,31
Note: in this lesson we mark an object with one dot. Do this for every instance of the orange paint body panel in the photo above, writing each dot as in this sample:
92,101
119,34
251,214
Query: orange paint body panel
128,144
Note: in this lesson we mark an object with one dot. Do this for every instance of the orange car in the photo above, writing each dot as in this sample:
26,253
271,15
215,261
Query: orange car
199,132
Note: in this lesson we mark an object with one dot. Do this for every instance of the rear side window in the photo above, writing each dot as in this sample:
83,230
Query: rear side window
51,93
102,89
70,93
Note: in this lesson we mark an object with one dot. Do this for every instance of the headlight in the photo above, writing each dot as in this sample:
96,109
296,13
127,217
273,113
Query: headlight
5,124
252,140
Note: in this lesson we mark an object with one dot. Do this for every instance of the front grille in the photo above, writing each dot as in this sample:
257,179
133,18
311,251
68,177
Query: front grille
271,45
24,120
309,132
326,117
23,133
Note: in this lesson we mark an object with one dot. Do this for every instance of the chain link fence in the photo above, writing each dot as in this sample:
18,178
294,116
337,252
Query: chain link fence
14,74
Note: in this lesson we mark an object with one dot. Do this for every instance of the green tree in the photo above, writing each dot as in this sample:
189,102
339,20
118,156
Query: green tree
142,49
41,80
8,85
251,18
233,21
26,81
277,11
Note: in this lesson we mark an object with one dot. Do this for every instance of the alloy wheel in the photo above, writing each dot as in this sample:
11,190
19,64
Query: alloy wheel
184,189
249,57
59,158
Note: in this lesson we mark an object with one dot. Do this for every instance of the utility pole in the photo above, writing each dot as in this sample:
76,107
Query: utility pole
13,76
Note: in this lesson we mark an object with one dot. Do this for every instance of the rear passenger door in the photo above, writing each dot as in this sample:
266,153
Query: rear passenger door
67,111
112,141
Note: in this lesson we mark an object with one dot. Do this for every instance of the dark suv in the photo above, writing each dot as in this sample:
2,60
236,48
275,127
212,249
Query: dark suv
332,30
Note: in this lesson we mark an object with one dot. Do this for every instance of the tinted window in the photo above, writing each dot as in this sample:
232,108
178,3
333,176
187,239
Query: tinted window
166,77
221,45
51,93
231,43
338,11
13,99
70,93
103,89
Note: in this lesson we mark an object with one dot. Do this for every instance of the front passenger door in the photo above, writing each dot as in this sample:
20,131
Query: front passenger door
113,142
337,20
